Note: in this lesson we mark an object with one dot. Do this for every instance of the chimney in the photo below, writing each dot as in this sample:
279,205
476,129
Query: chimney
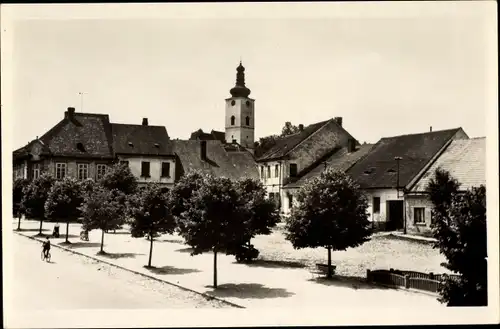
70,113
430,129
301,127
145,121
203,148
351,145
338,120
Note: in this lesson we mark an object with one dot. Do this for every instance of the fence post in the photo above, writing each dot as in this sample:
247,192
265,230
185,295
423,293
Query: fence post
431,276
407,281
391,270
368,275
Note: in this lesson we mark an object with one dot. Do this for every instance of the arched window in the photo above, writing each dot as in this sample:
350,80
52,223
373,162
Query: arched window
247,121
232,120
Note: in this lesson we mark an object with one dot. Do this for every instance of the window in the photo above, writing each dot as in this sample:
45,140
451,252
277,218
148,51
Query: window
232,120
269,171
124,163
276,171
101,171
290,201
165,169
247,121
262,172
293,169
36,170
376,205
145,169
419,215
60,170
234,141
83,171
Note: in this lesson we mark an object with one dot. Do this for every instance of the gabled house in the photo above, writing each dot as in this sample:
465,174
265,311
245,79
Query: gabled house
293,155
214,135
84,145
391,166
213,157
465,160
147,151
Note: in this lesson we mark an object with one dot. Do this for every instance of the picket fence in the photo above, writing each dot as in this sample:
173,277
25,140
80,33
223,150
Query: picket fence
409,279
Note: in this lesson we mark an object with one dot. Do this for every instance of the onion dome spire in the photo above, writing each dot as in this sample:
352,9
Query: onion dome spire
240,90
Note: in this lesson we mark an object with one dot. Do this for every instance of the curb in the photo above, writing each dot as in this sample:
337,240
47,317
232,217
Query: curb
412,290
411,238
207,296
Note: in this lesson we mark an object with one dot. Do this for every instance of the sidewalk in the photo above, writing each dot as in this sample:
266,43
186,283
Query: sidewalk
252,285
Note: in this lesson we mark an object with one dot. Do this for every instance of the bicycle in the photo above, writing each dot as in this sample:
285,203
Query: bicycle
46,257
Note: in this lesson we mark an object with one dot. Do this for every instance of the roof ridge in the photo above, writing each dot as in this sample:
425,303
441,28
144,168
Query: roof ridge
136,125
423,133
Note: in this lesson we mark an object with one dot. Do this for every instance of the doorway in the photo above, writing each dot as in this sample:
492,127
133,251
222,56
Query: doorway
395,215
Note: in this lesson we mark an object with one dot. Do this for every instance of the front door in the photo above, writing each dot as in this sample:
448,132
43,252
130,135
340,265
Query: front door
395,215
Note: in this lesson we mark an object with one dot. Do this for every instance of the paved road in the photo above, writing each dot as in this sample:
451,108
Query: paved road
73,282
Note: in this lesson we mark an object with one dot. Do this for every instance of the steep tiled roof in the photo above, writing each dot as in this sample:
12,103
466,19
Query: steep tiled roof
464,159
140,139
379,169
203,136
340,160
285,144
91,130
219,162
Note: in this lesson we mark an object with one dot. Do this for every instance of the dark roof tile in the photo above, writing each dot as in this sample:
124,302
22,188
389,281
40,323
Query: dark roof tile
378,168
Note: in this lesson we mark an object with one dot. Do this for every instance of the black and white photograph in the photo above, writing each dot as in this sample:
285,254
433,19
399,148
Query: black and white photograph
238,164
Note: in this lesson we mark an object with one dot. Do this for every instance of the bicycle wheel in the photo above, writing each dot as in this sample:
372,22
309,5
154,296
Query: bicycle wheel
48,257
42,255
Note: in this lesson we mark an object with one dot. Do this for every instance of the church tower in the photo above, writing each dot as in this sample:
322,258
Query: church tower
240,113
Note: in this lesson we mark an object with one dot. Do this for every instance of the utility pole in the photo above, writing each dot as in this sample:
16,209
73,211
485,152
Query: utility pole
397,191
81,93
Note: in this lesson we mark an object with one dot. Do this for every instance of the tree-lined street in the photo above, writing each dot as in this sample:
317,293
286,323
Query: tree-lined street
71,282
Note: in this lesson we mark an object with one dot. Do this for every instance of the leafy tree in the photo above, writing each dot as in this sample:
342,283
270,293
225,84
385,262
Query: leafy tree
17,196
289,129
63,202
182,192
331,213
120,177
261,213
214,218
151,214
35,196
103,209
265,144
459,226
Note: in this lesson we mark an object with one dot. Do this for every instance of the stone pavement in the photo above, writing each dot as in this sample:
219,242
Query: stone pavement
251,286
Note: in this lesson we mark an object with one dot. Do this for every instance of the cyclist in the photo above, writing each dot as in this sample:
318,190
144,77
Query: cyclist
46,247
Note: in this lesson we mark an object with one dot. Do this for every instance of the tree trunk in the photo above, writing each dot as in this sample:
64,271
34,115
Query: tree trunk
41,222
102,241
67,230
150,249
215,268
19,222
329,273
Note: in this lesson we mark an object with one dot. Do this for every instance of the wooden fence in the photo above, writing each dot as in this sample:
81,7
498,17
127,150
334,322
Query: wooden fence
409,279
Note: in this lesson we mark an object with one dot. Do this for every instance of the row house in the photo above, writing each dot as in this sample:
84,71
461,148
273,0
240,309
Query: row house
294,155
465,160
84,145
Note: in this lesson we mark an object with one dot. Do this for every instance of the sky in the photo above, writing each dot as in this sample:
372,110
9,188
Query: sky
385,75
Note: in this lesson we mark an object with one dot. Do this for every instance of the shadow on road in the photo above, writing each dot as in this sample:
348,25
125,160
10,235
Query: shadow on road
171,241
31,230
347,282
81,244
120,255
275,264
186,250
248,290
170,270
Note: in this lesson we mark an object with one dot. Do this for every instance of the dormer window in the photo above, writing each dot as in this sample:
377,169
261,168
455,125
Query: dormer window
130,144
157,145
80,147
391,171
